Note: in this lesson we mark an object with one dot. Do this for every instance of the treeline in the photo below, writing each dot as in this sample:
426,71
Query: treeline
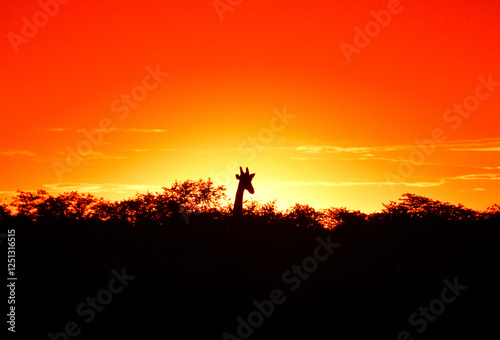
195,277
203,201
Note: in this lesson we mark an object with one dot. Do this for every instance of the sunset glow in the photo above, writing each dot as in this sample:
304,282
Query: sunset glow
329,103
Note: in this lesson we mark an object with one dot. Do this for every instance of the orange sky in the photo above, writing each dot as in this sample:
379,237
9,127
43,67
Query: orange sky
348,119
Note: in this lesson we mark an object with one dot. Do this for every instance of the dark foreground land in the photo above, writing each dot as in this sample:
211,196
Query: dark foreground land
432,276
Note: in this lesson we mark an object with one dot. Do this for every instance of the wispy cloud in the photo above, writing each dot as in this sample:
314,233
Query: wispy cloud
350,183
306,158
494,148
329,149
123,130
17,153
483,141
10,193
478,177
206,151
100,155
365,150
102,187
481,145
94,155
141,130
362,157
484,144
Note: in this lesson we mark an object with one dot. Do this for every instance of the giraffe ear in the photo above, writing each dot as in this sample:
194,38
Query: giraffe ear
237,176
251,176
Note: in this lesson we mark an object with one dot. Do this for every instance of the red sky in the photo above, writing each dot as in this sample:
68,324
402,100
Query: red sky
356,117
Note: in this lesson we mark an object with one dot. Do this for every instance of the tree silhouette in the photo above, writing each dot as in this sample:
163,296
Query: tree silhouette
199,196
303,216
4,212
40,205
493,211
334,217
416,206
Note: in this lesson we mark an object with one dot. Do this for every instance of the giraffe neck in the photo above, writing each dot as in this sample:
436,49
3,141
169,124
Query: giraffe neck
238,202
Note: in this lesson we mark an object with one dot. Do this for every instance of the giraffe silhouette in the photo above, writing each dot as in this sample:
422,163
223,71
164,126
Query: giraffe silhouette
245,183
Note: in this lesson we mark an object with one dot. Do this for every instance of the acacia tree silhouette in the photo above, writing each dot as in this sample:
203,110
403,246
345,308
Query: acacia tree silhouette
245,183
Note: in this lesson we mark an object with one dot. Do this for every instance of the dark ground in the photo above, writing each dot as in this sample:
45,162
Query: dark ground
194,282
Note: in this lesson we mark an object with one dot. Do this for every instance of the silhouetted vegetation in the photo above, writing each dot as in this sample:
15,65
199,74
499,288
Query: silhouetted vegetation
194,276
203,197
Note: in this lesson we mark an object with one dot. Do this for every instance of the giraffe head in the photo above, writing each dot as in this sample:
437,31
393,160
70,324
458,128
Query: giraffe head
246,180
